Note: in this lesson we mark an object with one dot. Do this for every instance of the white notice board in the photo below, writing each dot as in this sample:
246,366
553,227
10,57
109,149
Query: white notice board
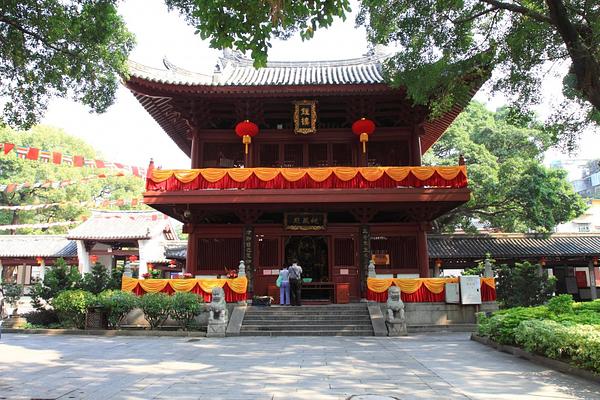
452,293
470,289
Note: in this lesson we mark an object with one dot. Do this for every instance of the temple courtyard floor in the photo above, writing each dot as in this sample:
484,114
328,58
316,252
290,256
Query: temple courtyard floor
436,366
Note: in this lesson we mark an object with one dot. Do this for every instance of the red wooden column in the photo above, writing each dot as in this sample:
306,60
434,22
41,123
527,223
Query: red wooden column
192,253
422,251
195,155
416,146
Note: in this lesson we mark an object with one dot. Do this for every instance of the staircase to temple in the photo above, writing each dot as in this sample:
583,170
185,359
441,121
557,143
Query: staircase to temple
321,320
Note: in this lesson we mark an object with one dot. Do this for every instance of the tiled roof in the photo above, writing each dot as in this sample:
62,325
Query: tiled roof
513,245
36,246
235,70
476,246
115,225
176,250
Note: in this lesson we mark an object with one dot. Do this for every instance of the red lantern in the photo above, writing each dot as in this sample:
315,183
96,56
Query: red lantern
595,261
543,261
172,263
93,258
39,260
246,130
133,258
150,266
363,128
438,263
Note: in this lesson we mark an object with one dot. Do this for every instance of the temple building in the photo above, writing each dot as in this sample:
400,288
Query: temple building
314,161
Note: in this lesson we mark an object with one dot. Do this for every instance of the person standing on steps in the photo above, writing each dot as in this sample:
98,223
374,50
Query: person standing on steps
284,287
295,277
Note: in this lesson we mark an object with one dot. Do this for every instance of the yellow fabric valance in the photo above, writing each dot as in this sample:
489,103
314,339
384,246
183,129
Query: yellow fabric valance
238,285
491,282
370,174
409,285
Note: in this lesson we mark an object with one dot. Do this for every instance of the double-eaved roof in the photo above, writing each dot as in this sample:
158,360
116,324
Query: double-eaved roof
29,246
513,245
123,225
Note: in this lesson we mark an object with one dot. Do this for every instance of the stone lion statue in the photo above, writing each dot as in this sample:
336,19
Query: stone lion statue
395,305
217,307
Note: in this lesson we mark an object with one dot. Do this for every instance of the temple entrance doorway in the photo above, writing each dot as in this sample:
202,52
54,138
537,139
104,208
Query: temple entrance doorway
311,252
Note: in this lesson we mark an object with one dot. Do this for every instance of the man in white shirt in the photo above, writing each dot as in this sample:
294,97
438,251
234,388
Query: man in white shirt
295,276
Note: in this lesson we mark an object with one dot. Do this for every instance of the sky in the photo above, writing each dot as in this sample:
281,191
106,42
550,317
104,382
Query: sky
127,133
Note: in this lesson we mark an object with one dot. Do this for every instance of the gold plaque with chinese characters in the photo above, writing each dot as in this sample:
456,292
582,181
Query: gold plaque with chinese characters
305,117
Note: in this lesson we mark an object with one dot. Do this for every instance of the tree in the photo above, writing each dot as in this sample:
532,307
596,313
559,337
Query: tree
55,48
16,170
57,279
444,45
523,285
511,189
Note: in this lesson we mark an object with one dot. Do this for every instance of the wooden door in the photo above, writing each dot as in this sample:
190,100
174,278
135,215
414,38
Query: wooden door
345,267
268,263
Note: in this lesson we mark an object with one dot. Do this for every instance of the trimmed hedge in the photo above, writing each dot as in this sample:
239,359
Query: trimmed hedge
71,307
117,304
561,330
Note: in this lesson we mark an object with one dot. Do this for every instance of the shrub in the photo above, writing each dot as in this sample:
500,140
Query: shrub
587,306
42,317
57,278
522,285
561,304
97,280
156,308
117,305
502,325
12,293
185,308
71,306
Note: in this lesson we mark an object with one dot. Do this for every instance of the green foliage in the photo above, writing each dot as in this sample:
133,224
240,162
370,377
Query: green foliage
156,308
12,293
71,306
16,170
185,307
579,344
525,284
56,279
117,305
97,280
249,25
512,190
57,49
116,277
587,306
561,304
446,48
42,318
501,326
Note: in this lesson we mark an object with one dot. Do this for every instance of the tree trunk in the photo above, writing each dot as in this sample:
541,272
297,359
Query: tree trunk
585,65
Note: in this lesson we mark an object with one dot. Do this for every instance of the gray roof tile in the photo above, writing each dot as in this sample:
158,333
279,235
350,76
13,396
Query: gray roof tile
36,246
235,70
513,245
114,225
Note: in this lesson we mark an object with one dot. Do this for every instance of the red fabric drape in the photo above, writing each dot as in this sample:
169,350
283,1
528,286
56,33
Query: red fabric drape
487,293
333,182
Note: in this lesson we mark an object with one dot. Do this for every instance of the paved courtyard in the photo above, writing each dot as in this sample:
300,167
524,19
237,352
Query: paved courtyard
441,366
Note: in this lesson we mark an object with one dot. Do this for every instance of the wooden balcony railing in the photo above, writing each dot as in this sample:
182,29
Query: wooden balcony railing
306,178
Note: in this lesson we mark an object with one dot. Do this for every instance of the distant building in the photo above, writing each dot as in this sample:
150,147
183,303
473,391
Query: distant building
588,222
584,175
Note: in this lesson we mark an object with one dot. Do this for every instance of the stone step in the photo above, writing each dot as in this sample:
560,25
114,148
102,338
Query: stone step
308,333
308,312
340,327
296,319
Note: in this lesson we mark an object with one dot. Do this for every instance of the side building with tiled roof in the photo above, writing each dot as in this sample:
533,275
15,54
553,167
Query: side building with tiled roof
113,237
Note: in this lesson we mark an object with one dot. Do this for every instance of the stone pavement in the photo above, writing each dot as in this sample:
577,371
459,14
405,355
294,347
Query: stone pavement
441,366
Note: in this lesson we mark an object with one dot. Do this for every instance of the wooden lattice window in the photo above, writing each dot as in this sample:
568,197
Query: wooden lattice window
219,253
343,252
268,252
402,251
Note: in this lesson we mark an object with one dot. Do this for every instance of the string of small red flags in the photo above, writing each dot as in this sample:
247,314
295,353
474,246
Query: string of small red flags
38,226
101,204
58,158
12,187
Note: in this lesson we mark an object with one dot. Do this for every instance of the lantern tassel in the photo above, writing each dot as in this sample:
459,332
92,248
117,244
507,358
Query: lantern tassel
246,139
364,138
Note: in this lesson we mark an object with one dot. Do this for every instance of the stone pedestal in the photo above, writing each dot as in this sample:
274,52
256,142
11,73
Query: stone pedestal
216,330
396,328
14,321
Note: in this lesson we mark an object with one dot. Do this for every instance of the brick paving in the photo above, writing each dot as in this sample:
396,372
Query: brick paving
440,366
